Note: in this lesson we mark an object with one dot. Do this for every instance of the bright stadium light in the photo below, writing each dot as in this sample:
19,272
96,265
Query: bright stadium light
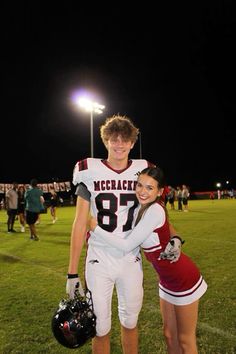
92,107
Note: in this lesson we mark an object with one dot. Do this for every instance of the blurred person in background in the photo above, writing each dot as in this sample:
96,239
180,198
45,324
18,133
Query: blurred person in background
179,198
53,205
34,205
2,197
185,196
171,197
21,207
12,206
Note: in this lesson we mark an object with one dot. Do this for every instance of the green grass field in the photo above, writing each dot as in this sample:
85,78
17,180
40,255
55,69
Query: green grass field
33,277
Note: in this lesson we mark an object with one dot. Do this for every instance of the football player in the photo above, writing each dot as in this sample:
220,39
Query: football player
106,190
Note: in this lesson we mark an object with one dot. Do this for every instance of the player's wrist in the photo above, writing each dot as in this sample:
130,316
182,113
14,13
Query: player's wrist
72,276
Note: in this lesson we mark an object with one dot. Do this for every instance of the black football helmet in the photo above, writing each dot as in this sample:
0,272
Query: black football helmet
74,322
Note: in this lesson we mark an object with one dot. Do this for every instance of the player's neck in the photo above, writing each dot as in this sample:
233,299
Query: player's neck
117,164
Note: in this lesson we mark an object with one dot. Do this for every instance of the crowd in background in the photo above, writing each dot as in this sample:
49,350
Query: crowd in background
180,195
25,203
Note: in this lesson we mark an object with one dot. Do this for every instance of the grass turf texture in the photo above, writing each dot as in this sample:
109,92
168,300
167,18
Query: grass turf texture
33,277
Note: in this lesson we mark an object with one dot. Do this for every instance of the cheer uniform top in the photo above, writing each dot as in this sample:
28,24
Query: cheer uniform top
181,282
113,198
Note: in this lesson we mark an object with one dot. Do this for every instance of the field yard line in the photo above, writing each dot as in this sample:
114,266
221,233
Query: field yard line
215,330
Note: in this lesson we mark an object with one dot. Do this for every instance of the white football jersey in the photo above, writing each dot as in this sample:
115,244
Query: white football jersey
113,197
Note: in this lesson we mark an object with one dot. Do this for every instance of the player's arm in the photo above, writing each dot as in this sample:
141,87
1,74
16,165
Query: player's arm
154,217
78,233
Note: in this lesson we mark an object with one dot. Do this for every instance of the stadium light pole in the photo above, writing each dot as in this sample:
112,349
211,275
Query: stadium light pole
92,107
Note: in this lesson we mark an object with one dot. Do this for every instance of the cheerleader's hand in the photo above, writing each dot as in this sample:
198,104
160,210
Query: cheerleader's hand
172,251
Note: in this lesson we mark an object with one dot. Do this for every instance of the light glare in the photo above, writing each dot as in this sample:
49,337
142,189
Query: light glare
90,106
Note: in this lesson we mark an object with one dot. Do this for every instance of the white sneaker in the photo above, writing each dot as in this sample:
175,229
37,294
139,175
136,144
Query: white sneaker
22,229
54,220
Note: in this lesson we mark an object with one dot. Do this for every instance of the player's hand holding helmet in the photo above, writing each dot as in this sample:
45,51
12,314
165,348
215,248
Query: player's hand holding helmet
74,322
73,283
172,251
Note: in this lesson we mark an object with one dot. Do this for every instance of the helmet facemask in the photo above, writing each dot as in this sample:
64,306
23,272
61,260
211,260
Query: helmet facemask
74,322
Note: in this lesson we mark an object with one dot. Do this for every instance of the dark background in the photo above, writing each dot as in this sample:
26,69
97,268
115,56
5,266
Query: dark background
170,68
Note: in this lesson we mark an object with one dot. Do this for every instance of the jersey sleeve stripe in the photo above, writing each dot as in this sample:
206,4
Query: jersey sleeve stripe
83,165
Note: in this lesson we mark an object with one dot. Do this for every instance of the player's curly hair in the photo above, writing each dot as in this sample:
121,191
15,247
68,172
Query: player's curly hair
119,125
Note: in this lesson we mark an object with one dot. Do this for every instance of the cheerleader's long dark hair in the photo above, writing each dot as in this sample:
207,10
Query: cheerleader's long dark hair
157,174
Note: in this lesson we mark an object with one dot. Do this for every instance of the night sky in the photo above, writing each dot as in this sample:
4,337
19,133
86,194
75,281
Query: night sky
170,69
